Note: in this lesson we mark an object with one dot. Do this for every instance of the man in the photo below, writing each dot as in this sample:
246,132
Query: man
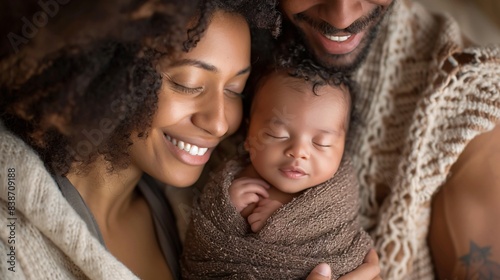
428,132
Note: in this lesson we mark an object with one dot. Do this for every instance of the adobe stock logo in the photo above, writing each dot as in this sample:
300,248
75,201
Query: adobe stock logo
50,8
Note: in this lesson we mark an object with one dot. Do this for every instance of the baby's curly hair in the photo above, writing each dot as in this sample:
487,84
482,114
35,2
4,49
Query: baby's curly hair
276,45
86,99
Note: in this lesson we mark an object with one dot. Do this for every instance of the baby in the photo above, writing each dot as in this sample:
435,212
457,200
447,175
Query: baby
292,202
295,141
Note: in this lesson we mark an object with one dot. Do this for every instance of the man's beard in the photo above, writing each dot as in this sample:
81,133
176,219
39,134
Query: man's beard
374,19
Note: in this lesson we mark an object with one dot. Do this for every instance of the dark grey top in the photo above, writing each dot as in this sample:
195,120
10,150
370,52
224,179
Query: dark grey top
163,217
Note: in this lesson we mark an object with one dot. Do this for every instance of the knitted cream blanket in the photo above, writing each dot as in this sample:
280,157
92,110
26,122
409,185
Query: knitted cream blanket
320,225
423,96
46,238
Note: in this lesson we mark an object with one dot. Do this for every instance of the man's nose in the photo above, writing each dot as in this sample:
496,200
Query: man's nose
341,13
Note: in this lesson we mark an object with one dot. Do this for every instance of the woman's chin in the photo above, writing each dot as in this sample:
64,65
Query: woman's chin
183,185
181,180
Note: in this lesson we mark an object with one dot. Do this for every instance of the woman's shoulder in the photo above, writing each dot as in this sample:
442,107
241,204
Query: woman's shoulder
18,155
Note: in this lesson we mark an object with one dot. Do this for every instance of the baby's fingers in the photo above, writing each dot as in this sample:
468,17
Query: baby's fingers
256,189
249,198
257,221
252,181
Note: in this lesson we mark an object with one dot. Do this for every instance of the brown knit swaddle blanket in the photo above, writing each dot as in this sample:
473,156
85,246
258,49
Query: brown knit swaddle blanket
318,226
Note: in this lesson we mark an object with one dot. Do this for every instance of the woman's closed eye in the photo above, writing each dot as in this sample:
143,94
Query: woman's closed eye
184,89
179,87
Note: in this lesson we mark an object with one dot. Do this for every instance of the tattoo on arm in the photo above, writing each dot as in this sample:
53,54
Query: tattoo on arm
478,265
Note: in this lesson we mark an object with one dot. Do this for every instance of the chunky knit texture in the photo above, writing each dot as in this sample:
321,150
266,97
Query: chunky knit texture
423,97
51,240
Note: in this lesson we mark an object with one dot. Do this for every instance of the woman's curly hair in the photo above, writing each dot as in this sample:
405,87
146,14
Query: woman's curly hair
86,99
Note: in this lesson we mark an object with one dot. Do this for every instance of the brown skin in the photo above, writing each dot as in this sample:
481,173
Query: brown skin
339,14
466,208
122,214
124,219
295,140
357,19
203,117
260,189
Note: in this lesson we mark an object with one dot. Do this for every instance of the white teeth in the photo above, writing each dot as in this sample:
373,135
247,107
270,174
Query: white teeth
190,148
194,151
337,38
202,151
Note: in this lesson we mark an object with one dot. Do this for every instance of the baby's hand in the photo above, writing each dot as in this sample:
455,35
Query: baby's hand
265,208
245,191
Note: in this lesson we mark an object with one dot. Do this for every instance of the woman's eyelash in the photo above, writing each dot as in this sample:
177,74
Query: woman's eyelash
184,89
188,90
180,88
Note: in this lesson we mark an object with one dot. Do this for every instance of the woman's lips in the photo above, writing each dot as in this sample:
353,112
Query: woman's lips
192,149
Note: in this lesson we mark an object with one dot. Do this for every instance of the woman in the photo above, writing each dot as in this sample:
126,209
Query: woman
88,136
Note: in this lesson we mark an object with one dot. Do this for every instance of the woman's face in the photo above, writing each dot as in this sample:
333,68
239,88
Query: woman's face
199,103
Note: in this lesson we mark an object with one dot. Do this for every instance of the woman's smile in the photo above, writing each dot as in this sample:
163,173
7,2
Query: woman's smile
187,153
199,103
192,149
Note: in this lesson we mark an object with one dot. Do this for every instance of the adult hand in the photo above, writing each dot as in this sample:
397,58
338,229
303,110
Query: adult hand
321,272
369,270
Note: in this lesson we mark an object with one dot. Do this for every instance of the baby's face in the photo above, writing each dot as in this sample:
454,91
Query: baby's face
296,139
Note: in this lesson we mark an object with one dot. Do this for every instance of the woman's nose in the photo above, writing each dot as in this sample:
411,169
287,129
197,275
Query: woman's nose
211,115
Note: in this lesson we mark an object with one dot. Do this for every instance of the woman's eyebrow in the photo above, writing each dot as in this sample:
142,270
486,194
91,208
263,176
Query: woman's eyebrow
205,66
195,63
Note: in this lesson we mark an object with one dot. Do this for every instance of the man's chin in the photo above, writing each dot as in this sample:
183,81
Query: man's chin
344,63
348,62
